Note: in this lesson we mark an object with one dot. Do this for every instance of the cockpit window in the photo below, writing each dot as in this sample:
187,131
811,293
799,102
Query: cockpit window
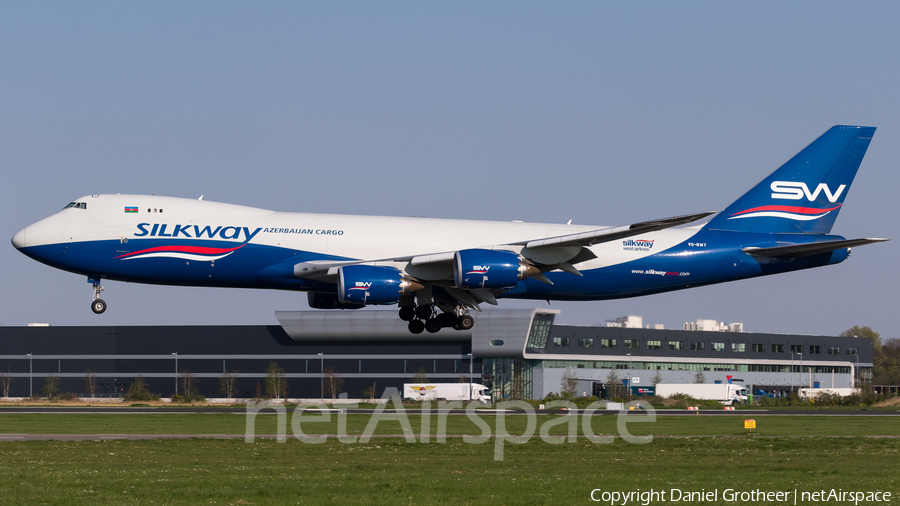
76,205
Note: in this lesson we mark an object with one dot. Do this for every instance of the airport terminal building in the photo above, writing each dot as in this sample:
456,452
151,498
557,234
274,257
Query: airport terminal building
517,353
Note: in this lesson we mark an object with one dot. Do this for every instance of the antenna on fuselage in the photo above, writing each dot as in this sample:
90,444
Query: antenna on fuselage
201,197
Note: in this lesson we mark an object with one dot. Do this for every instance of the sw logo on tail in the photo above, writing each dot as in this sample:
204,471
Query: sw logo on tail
790,190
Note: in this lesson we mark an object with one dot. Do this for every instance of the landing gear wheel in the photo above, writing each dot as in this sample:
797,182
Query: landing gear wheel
407,313
432,325
416,326
424,312
466,322
447,319
98,306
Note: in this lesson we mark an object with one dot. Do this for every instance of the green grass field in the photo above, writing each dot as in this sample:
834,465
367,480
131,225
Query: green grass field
391,471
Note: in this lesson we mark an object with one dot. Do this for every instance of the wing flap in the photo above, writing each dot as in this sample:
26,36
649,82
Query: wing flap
433,258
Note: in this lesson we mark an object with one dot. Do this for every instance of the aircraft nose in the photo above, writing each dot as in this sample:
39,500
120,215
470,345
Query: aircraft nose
18,240
50,230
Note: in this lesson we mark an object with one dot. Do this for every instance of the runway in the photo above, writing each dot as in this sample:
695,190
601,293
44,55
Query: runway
483,412
145,437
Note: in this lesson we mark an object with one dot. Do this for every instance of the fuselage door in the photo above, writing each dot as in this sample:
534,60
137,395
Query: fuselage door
122,234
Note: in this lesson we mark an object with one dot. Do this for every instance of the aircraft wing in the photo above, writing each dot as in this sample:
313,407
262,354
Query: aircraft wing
550,253
614,233
805,250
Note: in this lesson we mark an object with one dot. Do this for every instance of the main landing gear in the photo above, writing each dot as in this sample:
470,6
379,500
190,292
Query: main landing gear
98,305
426,317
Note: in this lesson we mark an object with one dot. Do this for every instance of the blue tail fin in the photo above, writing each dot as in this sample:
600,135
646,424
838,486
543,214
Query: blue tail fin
805,194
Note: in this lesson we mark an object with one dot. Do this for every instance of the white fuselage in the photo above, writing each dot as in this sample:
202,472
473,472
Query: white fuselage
334,235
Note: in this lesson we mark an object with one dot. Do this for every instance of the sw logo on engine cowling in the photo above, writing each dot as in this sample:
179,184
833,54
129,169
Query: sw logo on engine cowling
479,269
791,190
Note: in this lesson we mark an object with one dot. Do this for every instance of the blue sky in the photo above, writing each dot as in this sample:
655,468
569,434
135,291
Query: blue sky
597,112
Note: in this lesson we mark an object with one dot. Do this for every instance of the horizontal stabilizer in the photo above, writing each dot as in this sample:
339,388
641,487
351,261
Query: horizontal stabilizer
809,249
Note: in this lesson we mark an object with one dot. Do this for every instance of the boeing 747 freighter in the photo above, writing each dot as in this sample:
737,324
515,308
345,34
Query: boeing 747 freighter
437,270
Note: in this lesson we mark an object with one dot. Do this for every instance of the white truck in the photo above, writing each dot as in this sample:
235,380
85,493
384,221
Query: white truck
726,393
446,391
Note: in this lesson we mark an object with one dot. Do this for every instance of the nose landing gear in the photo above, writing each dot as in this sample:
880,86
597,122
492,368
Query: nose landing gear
98,305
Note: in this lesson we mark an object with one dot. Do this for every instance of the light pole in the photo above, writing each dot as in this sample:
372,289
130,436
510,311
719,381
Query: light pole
470,376
176,372
629,375
322,375
30,377
792,372
855,371
800,383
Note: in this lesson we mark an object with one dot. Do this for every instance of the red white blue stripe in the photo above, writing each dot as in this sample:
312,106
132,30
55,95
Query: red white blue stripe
787,212
196,253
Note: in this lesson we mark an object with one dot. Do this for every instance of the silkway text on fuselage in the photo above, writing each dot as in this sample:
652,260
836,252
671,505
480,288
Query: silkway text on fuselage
194,231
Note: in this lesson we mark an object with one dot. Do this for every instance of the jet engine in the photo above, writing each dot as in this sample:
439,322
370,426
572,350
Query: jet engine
477,269
370,284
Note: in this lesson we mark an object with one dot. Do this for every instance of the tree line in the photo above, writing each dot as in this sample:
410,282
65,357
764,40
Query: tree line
885,355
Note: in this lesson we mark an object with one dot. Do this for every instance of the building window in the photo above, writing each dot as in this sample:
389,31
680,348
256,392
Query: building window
697,345
834,350
738,347
718,346
586,342
560,341
633,344
815,350
654,345
759,348
607,343
796,348
676,345
852,350
540,330
777,348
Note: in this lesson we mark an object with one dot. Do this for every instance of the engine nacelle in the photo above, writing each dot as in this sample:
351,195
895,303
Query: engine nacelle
477,269
319,300
370,284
